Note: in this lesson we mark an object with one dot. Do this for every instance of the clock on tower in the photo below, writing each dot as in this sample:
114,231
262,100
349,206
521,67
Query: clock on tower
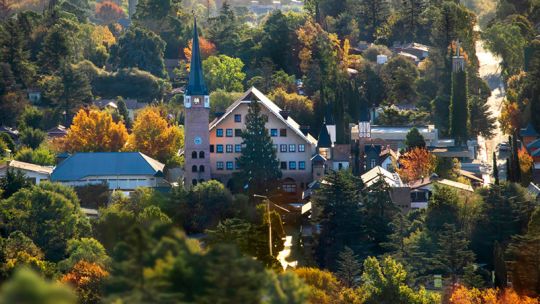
197,107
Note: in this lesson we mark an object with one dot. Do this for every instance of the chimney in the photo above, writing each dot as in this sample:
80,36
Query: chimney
284,114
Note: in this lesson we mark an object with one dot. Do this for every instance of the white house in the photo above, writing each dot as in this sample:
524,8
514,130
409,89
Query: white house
34,173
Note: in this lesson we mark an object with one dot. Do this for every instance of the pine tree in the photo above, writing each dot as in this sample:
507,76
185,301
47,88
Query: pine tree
414,139
411,15
374,13
453,254
349,268
495,169
400,226
516,171
459,108
258,163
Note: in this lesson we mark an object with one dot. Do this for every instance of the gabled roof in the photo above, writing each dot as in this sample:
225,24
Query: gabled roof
528,131
196,85
373,176
30,167
318,158
254,94
80,165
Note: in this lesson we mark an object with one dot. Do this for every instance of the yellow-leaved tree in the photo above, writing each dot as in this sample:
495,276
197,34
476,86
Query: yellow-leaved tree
154,136
94,131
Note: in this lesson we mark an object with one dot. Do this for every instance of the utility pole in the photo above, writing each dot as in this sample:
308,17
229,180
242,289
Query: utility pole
268,202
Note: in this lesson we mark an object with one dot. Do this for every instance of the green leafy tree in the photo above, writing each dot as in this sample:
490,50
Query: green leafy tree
349,268
10,143
13,181
453,255
60,46
259,166
40,156
32,117
385,282
139,48
442,209
482,123
414,139
400,75
224,72
26,287
84,249
51,217
32,137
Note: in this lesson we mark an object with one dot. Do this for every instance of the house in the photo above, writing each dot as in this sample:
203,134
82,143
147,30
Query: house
122,171
132,105
34,95
531,140
14,134
395,136
294,148
399,191
422,189
56,132
34,173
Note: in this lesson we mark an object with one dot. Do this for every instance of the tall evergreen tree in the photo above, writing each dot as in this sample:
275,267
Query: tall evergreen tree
414,139
516,171
340,217
495,169
349,268
123,111
258,163
459,108
379,210
453,254
412,11
373,14
224,31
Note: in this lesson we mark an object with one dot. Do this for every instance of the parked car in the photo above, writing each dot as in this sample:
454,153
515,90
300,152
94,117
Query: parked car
504,146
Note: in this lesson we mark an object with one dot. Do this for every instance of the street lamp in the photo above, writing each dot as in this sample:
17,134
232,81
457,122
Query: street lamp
268,201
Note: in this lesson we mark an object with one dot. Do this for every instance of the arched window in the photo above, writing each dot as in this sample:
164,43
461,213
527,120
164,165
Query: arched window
201,154
201,168
194,154
194,182
194,168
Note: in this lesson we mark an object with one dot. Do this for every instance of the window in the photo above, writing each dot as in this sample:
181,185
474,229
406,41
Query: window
219,165
193,154
283,166
194,182
301,165
211,148
289,188
301,148
201,168
229,148
194,168
229,132
238,148
230,165
219,132
237,132
282,148
292,148
201,154
283,132
219,148
340,166
237,118
273,132
373,163
292,165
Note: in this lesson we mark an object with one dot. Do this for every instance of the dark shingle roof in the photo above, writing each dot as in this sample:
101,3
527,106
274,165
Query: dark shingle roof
81,165
528,131
324,140
196,85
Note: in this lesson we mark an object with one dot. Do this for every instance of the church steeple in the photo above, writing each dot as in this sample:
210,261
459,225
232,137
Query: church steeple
196,85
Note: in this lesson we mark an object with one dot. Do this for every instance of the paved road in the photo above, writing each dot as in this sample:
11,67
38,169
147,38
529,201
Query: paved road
490,71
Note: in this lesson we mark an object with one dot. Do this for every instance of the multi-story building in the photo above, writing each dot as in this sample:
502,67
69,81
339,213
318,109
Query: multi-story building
212,149
294,148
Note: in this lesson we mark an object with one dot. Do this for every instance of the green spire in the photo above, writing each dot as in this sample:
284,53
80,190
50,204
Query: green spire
196,85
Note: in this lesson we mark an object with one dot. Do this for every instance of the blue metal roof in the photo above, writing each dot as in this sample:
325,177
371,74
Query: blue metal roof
80,165
196,85
528,131
534,145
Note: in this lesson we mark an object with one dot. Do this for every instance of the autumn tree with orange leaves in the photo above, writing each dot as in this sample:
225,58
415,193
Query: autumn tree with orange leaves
463,295
154,136
94,131
415,164
207,48
87,279
109,12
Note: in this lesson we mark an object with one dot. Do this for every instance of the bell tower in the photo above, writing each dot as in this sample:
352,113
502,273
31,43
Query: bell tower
197,107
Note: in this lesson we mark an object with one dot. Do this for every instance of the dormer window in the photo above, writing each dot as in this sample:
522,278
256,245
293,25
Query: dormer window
196,100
